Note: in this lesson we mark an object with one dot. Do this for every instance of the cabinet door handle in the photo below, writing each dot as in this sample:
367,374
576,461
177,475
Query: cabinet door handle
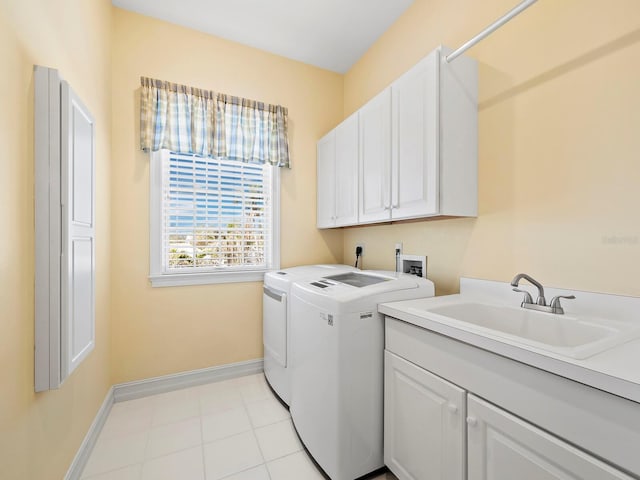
472,421
386,207
453,408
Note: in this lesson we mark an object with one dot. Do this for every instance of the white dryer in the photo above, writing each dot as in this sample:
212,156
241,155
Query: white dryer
337,338
276,319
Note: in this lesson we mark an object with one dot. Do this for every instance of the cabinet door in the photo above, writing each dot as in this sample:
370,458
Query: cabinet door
375,161
503,447
326,158
424,429
346,172
414,174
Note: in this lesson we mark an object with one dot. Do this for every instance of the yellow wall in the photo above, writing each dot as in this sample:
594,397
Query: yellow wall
559,173
559,143
158,331
40,433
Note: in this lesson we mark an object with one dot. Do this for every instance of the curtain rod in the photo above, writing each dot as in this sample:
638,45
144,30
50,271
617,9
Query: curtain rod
490,29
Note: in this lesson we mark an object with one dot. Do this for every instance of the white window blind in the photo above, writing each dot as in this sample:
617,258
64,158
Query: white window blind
215,215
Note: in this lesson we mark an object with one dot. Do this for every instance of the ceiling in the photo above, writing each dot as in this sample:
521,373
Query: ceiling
331,34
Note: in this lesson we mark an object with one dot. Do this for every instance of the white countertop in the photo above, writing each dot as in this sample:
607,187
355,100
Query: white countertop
615,370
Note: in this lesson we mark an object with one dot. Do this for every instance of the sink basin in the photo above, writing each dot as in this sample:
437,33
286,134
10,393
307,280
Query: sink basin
562,334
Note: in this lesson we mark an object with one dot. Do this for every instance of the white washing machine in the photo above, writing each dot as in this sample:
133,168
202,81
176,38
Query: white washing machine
276,319
337,338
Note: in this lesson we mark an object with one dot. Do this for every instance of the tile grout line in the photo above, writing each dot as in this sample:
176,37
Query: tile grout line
253,431
146,444
271,396
242,471
204,463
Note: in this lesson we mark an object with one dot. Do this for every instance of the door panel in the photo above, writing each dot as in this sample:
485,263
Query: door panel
375,161
415,141
326,197
424,423
82,166
78,235
346,172
503,447
82,296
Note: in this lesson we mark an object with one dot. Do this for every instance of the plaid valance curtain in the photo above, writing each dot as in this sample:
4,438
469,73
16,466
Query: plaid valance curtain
194,121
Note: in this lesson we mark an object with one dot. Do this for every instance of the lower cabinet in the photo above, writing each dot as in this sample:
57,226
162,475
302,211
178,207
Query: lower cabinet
424,423
503,447
435,430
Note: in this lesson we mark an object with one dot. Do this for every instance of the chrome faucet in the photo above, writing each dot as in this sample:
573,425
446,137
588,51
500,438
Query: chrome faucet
541,302
516,280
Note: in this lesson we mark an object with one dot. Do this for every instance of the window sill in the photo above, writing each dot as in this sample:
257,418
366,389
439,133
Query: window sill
184,279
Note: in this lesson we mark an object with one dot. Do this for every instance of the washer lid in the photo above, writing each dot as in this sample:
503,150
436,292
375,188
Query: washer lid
282,279
357,279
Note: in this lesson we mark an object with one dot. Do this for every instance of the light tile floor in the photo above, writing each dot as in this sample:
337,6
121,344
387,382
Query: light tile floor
232,430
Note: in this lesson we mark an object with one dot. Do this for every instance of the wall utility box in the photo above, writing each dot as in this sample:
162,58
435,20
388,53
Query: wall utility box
413,264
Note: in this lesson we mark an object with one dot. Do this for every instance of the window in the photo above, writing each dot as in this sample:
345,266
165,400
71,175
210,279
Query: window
212,220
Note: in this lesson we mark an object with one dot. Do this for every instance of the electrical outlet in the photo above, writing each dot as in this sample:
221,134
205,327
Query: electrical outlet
398,248
361,245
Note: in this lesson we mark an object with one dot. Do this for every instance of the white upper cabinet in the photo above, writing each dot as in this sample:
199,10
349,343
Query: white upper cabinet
434,148
326,171
418,150
338,176
414,154
347,172
375,159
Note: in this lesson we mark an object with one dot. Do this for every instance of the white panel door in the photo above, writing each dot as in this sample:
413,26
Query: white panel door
414,158
326,172
424,429
375,159
503,447
77,325
346,172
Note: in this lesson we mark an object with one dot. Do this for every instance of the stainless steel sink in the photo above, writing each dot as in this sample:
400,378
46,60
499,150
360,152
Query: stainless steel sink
566,335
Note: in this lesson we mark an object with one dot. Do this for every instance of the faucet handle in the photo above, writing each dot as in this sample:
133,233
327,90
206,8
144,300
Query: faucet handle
555,303
527,296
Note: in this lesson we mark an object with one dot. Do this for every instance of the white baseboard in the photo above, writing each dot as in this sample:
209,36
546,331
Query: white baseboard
166,383
86,447
151,386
